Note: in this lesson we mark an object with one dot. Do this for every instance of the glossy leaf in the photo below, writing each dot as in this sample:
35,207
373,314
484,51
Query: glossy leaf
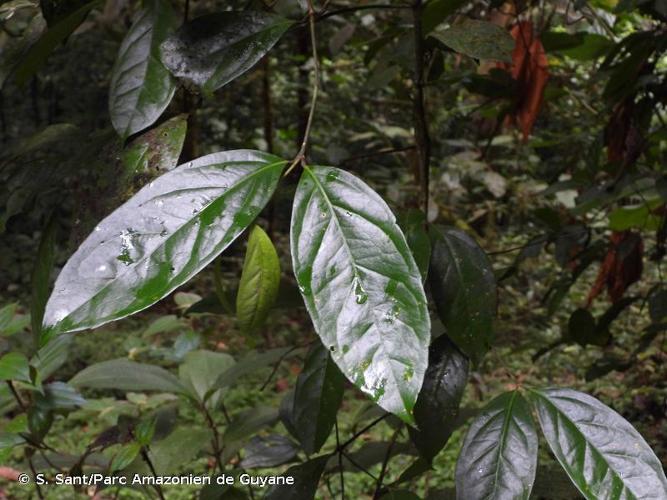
478,39
52,356
464,291
41,276
498,459
161,237
141,87
437,407
14,366
125,375
259,283
361,286
213,50
602,453
317,397
37,54
306,479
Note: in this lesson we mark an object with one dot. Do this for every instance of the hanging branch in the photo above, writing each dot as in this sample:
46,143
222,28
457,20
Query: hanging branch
422,139
301,155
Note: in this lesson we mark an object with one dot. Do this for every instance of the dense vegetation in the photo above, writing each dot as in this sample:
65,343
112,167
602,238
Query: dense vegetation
402,249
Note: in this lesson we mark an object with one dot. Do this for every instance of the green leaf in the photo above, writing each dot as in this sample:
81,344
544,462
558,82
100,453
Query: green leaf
161,237
157,150
213,50
306,477
400,495
646,216
579,46
250,364
361,286
40,50
268,451
414,227
200,371
437,407
141,87
317,397
125,456
436,11
12,323
464,291
59,396
52,356
125,375
259,283
14,366
498,459
41,276
178,449
248,423
602,453
582,328
478,39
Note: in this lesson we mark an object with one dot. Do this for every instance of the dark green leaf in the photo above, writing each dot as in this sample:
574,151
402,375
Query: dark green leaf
306,477
478,39
437,407
141,87
249,423
602,453
464,291
499,455
413,225
400,495
317,397
268,451
161,237
370,454
213,50
14,366
259,283
361,286
126,375
657,305
581,328
41,276
40,420
40,50
178,448
59,396
52,356
580,46
436,11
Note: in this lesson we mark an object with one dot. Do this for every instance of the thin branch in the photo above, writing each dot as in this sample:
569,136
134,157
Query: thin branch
34,476
359,466
16,395
362,431
147,459
340,462
217,449
301,155
382,152
385,462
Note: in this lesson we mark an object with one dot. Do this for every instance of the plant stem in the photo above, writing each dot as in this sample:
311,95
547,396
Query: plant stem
422,138
147,459
340,462
362,431
16,395
34,476
301,155
217,450
385,463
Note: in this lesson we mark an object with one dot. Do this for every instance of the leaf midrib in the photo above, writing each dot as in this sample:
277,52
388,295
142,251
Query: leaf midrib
233,187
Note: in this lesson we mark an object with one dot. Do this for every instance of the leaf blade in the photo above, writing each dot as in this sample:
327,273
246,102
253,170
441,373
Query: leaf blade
141,87
505,470
123,268
349,253
607,457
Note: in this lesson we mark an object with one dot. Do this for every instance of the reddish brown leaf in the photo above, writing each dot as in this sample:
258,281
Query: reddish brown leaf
621,267
530,68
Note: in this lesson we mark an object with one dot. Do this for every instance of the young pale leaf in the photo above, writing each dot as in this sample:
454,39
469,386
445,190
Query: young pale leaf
161,237
602,453
306,479
361,286
213,50
317,397
41,276
464,291
439,399
37,54
478,39
259,283
141,87
126,375
498,459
